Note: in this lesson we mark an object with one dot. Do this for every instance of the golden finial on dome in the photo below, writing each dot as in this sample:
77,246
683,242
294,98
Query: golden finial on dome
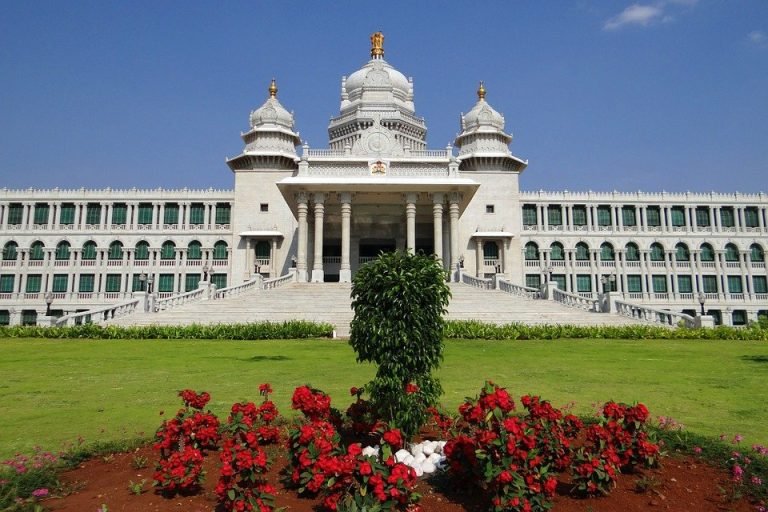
481,92
377,45
273,89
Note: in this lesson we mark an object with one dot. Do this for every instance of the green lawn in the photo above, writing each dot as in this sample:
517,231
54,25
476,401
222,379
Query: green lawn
52,392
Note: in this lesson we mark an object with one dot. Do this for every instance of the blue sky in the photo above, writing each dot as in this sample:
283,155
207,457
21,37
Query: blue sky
600,95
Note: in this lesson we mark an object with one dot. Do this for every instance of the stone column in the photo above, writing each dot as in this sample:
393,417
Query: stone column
249,265
410,221
479,257
345,272
273,272
317,267
437,215
301,262
454,216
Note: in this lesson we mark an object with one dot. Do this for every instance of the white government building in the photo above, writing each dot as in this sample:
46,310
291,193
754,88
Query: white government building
321,213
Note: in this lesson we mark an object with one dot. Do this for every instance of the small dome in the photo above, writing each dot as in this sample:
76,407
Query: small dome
271,112
482,117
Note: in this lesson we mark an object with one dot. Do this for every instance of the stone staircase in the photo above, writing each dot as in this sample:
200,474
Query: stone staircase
330,302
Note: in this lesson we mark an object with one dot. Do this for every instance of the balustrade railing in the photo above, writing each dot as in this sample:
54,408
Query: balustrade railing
653,315
521,291
101,314
171,302
239,289
575,301
477,282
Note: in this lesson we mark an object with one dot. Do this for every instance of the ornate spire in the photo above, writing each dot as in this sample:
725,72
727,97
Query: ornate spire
273,89
377,45
481,92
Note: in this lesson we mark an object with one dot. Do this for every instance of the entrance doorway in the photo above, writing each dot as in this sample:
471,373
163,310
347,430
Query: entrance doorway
371,247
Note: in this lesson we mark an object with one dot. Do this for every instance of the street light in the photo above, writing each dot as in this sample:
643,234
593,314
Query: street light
702,300
205,272
606,280
149,284
48,302
143,280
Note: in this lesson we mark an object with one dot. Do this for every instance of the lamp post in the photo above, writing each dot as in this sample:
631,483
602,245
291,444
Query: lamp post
608,282
149,284
702,300
143,281
205,272
48,302
546,271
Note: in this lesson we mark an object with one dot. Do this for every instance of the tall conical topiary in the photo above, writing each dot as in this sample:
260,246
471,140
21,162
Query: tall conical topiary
399,301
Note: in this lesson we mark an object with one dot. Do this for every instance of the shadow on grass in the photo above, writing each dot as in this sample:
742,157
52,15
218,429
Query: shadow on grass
258,359
755,359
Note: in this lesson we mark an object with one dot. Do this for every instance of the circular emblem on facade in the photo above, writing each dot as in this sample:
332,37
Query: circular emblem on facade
378,142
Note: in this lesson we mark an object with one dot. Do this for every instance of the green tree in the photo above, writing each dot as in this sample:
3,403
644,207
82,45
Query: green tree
399,301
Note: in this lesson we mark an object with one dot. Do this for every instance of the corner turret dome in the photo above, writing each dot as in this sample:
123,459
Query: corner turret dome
271,116
482,117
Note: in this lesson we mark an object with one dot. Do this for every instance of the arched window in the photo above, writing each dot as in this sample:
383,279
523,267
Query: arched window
707,253
490,251
582,251
115,251
606,252
10,251
168,250
220,250
62,251
531,251
756,253
194,250
682,253
262,250
731,253
556,252
657,252
89,251
632,252
142,251
36,251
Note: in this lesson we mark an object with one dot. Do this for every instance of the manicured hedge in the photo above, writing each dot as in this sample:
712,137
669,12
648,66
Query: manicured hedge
470,329
293,329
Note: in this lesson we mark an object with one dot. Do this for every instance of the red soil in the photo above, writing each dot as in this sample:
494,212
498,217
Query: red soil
681,484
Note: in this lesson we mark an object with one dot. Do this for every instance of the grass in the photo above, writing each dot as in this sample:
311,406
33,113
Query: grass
54,392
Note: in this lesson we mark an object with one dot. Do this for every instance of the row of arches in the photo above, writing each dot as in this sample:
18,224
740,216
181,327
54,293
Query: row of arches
141,250
656,252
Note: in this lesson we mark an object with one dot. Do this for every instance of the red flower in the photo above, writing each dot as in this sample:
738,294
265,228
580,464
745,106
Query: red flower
265,389
411,388
393,438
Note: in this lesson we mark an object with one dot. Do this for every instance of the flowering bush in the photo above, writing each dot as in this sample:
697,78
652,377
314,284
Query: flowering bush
180,441
618,441
242,486
360,415
345,479
511,456
181,471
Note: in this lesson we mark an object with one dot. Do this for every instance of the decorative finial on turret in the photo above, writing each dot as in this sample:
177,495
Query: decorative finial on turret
377,45
481,92
273,89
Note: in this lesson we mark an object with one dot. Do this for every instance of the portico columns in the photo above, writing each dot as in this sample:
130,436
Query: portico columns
345,272
453,211
317,267
437,214
410,221
301,264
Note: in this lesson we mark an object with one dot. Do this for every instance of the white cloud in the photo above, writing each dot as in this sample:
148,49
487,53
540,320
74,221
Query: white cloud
758,37
645,15
635,14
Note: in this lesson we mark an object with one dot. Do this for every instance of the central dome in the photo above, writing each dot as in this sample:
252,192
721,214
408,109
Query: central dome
376,83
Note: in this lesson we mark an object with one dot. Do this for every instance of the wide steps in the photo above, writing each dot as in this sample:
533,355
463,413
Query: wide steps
330,302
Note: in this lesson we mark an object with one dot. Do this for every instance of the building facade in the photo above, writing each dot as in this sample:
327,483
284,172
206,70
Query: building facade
324,212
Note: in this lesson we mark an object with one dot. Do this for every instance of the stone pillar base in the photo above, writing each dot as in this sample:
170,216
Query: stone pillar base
704,322
345,276
301,276
318,276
